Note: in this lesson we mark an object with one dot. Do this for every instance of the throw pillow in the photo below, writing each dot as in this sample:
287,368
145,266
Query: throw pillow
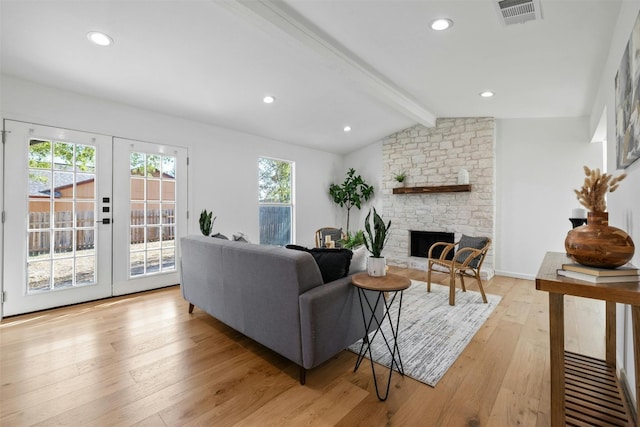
240,237
359,260
470,242
333,263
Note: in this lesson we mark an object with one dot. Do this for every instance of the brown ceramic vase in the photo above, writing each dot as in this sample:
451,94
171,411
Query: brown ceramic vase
597,244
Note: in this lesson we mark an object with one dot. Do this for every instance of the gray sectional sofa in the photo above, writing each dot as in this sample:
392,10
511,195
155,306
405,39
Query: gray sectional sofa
273,295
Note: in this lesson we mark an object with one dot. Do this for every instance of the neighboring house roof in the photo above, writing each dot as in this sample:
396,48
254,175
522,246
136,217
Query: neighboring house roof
64,180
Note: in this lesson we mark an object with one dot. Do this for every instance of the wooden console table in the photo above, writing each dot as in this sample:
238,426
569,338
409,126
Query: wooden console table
586,391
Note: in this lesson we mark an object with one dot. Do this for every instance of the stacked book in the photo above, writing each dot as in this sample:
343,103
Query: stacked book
625,273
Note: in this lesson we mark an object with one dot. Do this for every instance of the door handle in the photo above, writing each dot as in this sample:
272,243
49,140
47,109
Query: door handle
104,221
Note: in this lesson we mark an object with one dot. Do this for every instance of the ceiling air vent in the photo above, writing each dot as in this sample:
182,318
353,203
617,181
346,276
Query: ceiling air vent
519,11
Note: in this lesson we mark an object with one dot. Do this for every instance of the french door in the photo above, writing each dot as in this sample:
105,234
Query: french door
150,211
56,249
87,216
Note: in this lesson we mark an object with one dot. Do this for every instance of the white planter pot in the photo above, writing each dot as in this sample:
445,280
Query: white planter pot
377,267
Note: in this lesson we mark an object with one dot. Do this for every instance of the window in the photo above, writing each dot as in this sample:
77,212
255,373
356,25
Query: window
152,210
275,182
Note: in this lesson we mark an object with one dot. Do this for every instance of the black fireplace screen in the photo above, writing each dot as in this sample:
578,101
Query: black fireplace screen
421,241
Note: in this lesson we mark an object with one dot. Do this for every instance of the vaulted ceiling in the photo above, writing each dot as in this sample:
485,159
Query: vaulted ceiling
374,65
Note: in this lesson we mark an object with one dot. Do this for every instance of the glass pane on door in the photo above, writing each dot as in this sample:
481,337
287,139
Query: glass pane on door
152,186
61,218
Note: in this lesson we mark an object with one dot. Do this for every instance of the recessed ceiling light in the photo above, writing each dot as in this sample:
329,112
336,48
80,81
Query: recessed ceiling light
101,39
486,94
347,129
269,99
441,24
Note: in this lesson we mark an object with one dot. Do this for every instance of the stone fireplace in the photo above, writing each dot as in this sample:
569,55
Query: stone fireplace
433,157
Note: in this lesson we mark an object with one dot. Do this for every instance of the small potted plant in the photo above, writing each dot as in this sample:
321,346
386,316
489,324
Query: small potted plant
206,222
401,178
374,241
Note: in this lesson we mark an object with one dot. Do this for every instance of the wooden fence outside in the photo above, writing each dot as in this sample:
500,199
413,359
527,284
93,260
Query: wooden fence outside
275,225
40,241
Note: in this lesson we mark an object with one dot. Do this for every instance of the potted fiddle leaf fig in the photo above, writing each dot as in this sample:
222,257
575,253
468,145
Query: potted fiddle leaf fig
374,241
352,192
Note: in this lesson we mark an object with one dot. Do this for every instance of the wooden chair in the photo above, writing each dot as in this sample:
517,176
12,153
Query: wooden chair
336,235
467,262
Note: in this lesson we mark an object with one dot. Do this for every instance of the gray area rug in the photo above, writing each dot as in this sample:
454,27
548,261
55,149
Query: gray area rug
432,333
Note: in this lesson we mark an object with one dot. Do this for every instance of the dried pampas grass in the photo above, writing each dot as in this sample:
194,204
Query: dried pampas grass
595,186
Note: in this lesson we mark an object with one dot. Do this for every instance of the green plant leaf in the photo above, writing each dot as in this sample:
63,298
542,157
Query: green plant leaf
376,240
206,223
352,192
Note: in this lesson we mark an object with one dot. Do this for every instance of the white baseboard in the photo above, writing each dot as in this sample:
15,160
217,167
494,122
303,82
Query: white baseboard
515,275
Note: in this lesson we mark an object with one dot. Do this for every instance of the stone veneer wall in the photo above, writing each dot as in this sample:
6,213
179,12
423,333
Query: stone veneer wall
434,156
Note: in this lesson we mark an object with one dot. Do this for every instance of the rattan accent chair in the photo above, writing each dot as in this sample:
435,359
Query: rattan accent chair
466,262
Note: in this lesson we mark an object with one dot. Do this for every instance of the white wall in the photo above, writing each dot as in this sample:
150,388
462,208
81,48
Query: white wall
624,203
368,163
538,165
223,168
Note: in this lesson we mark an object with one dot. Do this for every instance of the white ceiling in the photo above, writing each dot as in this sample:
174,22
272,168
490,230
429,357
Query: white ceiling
372,64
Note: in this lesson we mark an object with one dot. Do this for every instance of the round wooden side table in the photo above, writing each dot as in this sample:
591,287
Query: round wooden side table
386,288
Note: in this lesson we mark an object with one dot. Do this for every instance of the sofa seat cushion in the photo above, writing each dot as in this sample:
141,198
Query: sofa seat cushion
333,263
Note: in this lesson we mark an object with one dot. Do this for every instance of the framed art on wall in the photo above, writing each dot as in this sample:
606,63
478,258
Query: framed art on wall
628,102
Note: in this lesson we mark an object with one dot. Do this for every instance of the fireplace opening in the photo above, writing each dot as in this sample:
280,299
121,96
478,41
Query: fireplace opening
421,241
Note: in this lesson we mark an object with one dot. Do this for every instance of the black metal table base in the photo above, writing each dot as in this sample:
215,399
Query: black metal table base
366,341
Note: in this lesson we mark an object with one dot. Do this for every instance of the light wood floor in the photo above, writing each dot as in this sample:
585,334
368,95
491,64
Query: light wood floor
143,360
